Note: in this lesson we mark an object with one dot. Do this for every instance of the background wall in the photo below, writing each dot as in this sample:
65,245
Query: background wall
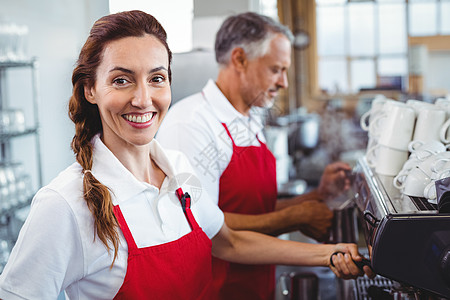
57,30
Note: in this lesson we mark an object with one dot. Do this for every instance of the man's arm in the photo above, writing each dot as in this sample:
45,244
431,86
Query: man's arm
308,213
248,247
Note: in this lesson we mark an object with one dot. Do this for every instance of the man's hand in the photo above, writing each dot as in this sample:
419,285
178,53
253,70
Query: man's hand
343,262
334,180
313,218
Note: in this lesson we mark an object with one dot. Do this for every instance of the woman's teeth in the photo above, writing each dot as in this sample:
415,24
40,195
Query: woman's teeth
139,119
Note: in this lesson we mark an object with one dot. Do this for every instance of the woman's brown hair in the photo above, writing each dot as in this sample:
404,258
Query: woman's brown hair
86,115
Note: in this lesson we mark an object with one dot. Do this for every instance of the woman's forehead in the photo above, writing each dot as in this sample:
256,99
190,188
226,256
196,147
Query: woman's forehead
135,51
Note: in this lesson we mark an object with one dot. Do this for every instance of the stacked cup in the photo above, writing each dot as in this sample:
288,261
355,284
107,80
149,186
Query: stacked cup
430,119
443,103
372,121
395,131
424,164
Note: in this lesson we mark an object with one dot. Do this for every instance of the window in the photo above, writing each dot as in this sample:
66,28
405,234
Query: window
360,42
177,22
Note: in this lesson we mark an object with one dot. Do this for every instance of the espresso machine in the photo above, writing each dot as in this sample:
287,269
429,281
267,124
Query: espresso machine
407,238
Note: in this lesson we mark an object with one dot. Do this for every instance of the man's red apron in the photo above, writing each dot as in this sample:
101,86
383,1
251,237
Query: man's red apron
248,186
180,269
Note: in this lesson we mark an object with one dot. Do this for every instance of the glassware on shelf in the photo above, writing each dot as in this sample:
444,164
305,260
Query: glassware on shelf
17,120
5,122
24,188
11,179
5,251
15,186
13,41
4,191
12,121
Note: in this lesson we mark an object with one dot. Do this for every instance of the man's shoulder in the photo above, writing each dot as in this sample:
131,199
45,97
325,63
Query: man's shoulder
190,105
193,112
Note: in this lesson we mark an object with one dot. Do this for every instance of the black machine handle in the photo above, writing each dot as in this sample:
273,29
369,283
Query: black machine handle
371,219
445,265
359,264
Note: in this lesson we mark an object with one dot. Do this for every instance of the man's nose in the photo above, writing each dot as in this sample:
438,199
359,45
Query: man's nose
283,80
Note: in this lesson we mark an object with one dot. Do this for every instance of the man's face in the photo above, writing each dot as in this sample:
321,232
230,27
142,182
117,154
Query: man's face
265,75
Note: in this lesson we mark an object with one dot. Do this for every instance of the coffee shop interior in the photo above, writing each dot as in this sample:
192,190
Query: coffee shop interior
369,84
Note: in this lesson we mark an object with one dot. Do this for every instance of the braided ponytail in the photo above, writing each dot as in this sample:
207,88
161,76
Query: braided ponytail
86,116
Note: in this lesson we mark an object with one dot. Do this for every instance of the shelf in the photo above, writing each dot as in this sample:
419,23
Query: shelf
17,64
12,210
7,136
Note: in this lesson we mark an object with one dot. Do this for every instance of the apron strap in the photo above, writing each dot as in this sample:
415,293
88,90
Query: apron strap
125,230
228,132
185,200
232,140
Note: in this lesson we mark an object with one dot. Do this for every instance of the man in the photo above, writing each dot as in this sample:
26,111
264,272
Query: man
220,130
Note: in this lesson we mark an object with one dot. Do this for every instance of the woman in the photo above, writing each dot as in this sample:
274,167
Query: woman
118,223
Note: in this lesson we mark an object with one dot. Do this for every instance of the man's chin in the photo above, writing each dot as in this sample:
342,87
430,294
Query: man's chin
269,104
266,103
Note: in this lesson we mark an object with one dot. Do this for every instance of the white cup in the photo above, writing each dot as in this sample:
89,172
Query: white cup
444,104
390,161
439,166
443,135
415,183
422,150
434,164
429,124
418,105
411,163
398,127
375,111
399,180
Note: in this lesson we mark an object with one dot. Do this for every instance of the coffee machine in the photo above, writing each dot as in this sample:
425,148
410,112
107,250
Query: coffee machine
408,239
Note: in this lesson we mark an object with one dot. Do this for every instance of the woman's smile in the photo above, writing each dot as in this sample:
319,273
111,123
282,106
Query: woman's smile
140,120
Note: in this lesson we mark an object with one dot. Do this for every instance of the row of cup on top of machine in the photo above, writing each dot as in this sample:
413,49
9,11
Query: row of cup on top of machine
15,186
392,125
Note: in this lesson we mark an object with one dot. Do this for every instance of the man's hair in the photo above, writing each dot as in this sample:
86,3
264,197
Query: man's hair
250,31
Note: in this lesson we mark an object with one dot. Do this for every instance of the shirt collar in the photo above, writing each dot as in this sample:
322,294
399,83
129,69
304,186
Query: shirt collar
120,181
225,111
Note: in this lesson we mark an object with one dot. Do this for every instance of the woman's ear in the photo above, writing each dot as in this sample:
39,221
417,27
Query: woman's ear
239,58
89,94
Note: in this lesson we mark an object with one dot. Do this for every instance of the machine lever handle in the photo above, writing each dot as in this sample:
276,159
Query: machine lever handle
359,264
370,218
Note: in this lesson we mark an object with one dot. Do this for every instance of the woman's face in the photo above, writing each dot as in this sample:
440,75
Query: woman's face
132,90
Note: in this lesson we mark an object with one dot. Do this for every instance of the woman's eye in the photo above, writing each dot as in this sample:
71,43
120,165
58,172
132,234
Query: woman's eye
120,81
158,79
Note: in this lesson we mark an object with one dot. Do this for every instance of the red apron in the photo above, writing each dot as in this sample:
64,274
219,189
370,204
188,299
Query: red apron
180,269
248,186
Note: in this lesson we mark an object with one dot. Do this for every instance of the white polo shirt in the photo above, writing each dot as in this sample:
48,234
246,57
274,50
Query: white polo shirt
56,249
193,126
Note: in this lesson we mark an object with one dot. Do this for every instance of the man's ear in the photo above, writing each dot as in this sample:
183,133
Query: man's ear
239,58
89,94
